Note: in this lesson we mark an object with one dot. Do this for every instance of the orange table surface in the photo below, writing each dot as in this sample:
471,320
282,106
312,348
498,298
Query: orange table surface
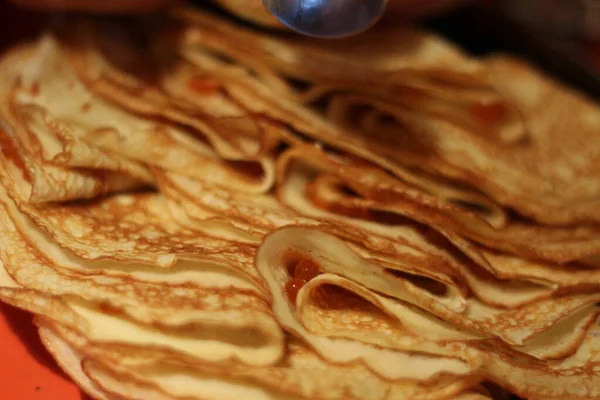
27,371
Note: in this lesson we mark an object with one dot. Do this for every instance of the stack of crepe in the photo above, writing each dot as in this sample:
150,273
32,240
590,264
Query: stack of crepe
195,209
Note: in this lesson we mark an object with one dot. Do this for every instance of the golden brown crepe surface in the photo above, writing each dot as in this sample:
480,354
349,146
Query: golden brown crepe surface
215,231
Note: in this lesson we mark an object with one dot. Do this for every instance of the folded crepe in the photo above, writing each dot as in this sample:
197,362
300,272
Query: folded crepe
488,145
395,53
305,123
295,377
45,158
85,289
179,93
224,214
512,233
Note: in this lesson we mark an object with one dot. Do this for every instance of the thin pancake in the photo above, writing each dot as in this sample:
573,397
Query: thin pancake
70,361
38,179
258,97
387,54
291,244
298,375
96,303
539,177
525,375
402,257
86,114
372,190
304,187
55,129
184,96
373,252
409,146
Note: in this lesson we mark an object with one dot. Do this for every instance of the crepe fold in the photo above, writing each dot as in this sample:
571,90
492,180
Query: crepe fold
197,209
487,143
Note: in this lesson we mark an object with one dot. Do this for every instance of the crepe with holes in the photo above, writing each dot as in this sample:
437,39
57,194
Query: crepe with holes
406,262
375,328
281,104
324,185
245,215
172,89
406,276
515,326
545,178
204,316
436,140
47,162
366,111
94,120
404,66
118,368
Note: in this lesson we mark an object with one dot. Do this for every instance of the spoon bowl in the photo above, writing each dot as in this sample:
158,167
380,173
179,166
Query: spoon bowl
327,18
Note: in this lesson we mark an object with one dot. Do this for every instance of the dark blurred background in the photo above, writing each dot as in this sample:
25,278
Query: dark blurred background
567,23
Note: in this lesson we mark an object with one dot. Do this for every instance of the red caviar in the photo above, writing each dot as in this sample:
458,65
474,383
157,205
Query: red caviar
204,85
109,309
293,287
489,113
306,270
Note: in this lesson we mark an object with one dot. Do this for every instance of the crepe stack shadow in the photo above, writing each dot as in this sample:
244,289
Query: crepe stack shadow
196,209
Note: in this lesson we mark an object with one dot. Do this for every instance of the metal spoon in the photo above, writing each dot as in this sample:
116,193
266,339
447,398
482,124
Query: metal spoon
327,18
